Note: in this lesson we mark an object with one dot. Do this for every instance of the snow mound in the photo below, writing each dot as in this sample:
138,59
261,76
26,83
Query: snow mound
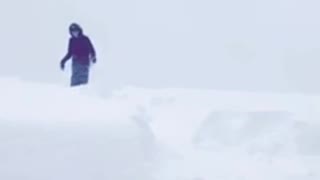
50,132
233,135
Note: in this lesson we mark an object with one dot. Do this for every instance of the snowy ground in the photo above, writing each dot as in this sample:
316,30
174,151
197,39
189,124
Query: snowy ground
234,135
51,132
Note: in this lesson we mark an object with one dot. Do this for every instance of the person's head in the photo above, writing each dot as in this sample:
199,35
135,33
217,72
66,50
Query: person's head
75,30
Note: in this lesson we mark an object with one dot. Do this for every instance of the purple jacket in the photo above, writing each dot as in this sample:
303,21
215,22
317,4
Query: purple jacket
80,49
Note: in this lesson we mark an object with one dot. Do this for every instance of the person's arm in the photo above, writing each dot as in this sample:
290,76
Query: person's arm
67,56
92,51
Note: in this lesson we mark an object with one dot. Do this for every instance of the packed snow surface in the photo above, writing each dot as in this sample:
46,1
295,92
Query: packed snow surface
51,132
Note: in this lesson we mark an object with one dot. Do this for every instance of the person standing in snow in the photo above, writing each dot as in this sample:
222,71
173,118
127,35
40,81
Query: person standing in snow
82,52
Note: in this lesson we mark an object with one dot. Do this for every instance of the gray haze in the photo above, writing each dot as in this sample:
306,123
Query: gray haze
236,45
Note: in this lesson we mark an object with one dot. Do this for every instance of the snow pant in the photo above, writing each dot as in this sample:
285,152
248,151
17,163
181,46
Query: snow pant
80,74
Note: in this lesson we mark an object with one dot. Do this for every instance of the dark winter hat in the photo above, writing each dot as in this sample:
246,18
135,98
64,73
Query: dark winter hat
75,27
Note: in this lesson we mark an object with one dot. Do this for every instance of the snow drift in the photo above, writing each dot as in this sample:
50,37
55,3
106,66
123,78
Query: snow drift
233,135
51,132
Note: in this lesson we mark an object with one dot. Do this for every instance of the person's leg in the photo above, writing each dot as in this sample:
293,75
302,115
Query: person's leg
84,74
74,74
80,74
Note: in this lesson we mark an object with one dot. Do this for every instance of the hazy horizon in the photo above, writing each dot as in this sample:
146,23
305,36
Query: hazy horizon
230,45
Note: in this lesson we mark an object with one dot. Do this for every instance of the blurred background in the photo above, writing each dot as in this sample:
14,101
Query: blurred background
208,44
